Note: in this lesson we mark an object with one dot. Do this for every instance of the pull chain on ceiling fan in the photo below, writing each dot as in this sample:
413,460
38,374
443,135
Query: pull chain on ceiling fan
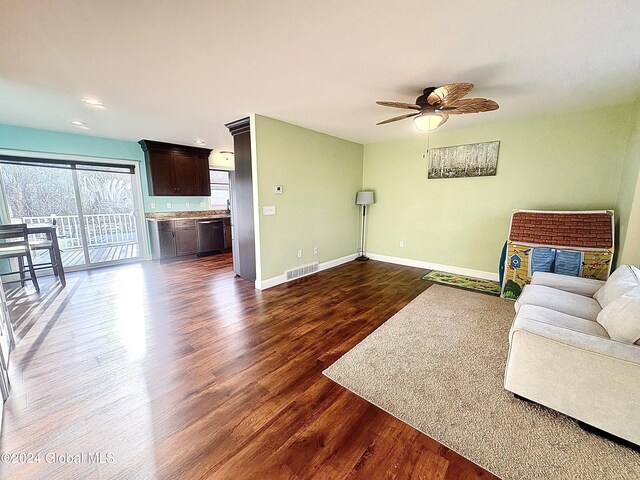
433,107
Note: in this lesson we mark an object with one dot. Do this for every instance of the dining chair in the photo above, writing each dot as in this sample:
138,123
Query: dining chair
15,244
46,244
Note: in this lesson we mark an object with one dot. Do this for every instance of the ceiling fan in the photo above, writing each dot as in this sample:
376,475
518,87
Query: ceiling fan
433,107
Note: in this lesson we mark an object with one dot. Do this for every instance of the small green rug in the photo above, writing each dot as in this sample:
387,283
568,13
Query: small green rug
470,283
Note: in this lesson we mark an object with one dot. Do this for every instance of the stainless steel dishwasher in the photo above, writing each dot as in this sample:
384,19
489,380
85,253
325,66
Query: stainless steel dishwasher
210,235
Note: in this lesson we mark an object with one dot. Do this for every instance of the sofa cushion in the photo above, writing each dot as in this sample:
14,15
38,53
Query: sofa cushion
570,322
621,318
579,285
620,282
560,301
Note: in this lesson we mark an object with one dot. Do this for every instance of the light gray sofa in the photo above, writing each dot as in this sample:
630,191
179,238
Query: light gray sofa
575,347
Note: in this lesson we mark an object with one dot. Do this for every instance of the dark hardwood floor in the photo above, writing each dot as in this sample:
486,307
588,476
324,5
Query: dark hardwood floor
182,370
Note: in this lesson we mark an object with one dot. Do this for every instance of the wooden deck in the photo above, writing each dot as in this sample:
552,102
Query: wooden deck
73,257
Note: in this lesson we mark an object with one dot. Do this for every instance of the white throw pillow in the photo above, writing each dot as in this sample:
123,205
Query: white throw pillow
620,282
621,318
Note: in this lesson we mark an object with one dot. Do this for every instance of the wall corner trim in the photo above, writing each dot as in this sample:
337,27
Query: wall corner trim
280,279
435,266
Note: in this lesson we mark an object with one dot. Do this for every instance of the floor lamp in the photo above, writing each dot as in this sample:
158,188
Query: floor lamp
364,198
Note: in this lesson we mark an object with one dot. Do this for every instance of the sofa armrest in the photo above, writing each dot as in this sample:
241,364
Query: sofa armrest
582,286
584,341
587,377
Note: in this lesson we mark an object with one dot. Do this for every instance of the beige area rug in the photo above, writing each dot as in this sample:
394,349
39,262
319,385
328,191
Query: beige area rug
438,365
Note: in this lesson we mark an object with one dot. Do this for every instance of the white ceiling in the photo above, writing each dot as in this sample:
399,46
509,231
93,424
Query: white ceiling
178,70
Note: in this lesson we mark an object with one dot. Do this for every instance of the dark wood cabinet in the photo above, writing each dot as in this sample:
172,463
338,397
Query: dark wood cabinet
186,237
167,243
227,233
174,170
163,239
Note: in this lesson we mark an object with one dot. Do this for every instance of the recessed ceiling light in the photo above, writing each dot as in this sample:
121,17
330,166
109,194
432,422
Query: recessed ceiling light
79,124
199,142
94,102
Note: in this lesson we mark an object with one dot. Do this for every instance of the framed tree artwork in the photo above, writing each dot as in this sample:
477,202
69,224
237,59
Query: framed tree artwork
472,160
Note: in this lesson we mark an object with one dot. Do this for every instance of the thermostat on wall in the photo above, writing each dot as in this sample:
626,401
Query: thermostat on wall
277,189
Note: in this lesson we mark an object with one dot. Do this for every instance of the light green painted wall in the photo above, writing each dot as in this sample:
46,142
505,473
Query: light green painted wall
320,176
46,141
628,204
570,161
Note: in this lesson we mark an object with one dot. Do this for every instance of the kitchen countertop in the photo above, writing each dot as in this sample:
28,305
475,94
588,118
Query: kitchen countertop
197,215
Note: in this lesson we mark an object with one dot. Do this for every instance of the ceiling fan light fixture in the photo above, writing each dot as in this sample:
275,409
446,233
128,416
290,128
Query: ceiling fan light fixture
428,121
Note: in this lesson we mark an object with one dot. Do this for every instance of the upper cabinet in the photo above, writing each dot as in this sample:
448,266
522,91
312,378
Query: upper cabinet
174,170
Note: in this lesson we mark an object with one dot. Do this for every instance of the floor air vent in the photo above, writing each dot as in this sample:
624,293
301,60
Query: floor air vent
301,271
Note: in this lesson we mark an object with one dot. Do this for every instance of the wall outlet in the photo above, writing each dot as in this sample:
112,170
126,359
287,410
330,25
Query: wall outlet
277,189
153,204
401,243
269,210
169,205
187,205
203,204
315,250
299,253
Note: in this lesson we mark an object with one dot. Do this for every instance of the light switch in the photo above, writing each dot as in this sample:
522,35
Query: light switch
169,205
269,210
187,205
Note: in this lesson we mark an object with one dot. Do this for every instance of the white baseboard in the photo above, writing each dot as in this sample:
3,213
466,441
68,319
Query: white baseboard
280,279
435,266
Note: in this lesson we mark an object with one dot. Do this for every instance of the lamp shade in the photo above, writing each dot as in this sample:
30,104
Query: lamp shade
428,121
364,197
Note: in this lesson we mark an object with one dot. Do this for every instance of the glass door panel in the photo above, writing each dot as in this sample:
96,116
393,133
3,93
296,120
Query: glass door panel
108,209
38,194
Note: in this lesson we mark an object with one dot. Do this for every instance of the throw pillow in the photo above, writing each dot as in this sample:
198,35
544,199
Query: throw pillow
621,318
620,282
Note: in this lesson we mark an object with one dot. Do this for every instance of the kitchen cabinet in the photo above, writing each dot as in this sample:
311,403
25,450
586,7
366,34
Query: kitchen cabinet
174,170
163,240
226,228
186,237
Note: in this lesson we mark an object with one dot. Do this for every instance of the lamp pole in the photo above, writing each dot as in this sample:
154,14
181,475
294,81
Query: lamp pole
364,198
362,257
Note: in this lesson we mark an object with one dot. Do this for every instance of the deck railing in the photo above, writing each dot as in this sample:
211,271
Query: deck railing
101,229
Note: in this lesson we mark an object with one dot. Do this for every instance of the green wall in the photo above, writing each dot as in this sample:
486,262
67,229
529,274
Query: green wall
628,204
570,161
320,175
46,141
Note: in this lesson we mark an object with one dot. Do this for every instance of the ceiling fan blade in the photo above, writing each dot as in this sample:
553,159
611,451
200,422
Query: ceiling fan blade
471,105
400,117
399,105
449,93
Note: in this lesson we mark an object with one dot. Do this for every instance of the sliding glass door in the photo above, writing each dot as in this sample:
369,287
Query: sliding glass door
108,208
93,206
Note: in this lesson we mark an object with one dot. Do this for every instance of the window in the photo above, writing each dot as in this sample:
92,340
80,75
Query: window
219,180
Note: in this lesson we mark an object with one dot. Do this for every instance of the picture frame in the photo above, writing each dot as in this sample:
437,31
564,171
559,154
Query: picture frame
460,161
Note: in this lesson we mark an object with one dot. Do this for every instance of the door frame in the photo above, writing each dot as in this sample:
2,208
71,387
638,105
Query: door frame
138,201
